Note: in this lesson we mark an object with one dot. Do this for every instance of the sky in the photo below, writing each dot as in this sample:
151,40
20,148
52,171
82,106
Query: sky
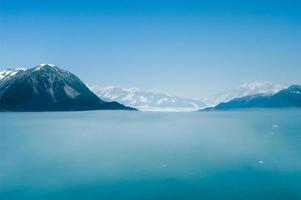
184,47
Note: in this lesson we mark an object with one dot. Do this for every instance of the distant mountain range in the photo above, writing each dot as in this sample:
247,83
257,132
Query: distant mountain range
286,98
246,89
147,100
152,100
48,88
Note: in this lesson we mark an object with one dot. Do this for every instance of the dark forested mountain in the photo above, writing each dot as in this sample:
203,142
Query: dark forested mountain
289,97
48,88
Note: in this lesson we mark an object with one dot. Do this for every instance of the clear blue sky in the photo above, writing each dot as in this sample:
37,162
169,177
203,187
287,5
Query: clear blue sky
189,48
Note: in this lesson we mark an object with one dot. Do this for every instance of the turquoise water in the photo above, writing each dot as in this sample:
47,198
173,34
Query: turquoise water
145,155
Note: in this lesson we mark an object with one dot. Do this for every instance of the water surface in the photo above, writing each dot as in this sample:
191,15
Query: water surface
149,155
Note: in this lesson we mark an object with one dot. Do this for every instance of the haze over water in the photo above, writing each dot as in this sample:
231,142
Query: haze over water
142,155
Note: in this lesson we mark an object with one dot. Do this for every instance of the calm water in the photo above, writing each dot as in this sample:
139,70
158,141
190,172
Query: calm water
139,155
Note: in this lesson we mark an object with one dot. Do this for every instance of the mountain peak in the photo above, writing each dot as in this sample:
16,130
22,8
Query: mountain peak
45,66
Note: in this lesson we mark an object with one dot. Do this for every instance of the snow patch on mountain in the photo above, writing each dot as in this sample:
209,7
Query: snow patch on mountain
70,91
10,72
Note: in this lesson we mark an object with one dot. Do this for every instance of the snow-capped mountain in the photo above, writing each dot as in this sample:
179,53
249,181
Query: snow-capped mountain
47,88
147,100
246,89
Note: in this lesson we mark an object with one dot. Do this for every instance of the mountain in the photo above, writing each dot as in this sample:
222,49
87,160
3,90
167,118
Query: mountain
147,100
48,88
246,89
289,97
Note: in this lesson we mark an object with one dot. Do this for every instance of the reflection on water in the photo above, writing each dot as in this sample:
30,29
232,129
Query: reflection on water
139,155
